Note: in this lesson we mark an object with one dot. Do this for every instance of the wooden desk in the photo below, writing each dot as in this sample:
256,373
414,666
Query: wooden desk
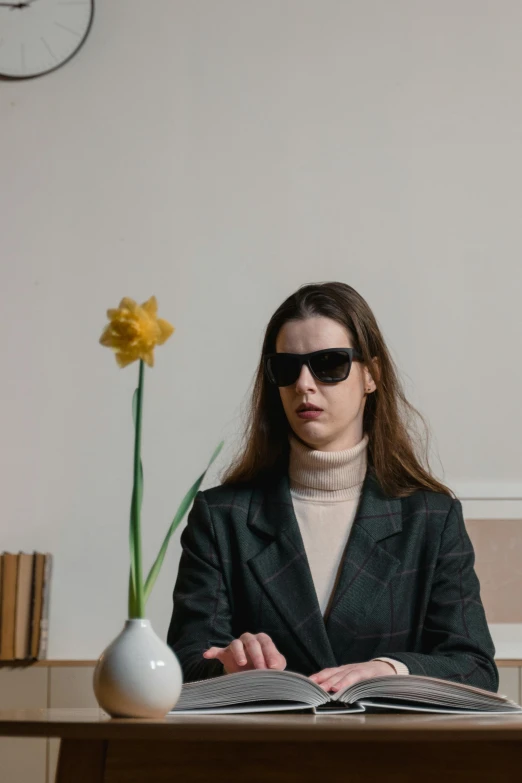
396,747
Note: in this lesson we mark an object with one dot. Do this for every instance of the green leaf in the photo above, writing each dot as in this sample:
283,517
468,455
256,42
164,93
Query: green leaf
132,608
133,593
182,510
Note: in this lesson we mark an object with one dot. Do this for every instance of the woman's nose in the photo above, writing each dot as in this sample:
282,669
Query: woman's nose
305,379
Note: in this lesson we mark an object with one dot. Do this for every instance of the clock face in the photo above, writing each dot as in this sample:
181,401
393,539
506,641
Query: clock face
37,36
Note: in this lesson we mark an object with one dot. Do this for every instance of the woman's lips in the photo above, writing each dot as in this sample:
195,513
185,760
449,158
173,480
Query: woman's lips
309,414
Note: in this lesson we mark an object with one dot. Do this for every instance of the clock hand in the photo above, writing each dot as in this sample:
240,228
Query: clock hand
24,4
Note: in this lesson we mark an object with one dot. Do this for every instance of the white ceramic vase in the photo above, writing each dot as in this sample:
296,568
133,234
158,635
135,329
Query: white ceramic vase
137,675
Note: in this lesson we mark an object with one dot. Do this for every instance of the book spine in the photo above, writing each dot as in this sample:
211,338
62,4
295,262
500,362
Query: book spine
44,621
23,605
28,652
36,612
9,587
1,593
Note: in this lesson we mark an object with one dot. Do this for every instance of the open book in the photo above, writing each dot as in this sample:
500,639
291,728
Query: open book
274,690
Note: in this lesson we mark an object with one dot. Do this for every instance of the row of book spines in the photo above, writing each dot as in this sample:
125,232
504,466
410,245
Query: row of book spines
24,605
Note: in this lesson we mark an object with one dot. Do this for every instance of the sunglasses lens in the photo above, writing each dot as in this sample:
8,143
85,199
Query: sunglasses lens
283,369
328,367
331,367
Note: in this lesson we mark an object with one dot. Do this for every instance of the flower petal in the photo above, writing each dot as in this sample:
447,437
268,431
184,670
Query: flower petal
124,358
148,357
151,306
166,330
128,304
107,336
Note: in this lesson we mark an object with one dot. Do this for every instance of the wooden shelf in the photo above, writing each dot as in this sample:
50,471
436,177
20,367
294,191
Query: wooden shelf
46,663
506,662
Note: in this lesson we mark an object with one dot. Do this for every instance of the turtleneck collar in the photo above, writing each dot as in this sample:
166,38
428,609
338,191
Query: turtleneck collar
326,475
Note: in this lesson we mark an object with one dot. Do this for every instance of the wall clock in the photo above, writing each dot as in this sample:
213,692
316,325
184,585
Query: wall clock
38,36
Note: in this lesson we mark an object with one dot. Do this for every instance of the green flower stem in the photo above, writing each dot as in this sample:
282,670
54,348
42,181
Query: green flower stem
139,592
139,603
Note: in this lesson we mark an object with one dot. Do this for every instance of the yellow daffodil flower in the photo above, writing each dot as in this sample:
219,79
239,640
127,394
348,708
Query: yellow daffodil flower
134,331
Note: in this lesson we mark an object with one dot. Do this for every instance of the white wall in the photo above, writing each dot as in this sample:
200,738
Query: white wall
219,154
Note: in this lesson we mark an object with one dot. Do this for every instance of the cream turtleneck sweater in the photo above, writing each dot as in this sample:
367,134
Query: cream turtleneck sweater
325,487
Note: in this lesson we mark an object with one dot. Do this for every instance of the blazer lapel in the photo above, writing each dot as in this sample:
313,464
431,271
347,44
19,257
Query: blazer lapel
366,568
283,572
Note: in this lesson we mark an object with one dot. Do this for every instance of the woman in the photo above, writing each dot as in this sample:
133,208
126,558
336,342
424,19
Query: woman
329,549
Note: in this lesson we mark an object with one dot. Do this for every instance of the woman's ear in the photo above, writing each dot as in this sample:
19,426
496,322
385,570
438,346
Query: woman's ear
370,374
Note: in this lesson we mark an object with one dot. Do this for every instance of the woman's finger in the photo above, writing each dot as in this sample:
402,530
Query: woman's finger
238,652
233,653
348,679
334,683
232,656
212,652
253,650
272,656
324,674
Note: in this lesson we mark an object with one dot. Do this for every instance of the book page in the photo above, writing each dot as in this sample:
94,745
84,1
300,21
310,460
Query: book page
236,709
426,691
393,706
249,687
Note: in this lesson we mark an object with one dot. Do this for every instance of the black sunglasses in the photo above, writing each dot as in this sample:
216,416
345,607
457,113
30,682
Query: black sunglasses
330,365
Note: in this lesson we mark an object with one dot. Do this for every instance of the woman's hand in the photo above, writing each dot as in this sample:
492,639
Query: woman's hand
250,651
341,676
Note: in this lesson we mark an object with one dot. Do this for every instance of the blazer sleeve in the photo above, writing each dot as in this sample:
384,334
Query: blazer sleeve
201,615
456,642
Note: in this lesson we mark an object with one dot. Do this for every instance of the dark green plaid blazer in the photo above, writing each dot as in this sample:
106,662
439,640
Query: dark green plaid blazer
407,587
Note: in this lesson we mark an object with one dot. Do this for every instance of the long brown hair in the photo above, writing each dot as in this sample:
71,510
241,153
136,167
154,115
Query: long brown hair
393,445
